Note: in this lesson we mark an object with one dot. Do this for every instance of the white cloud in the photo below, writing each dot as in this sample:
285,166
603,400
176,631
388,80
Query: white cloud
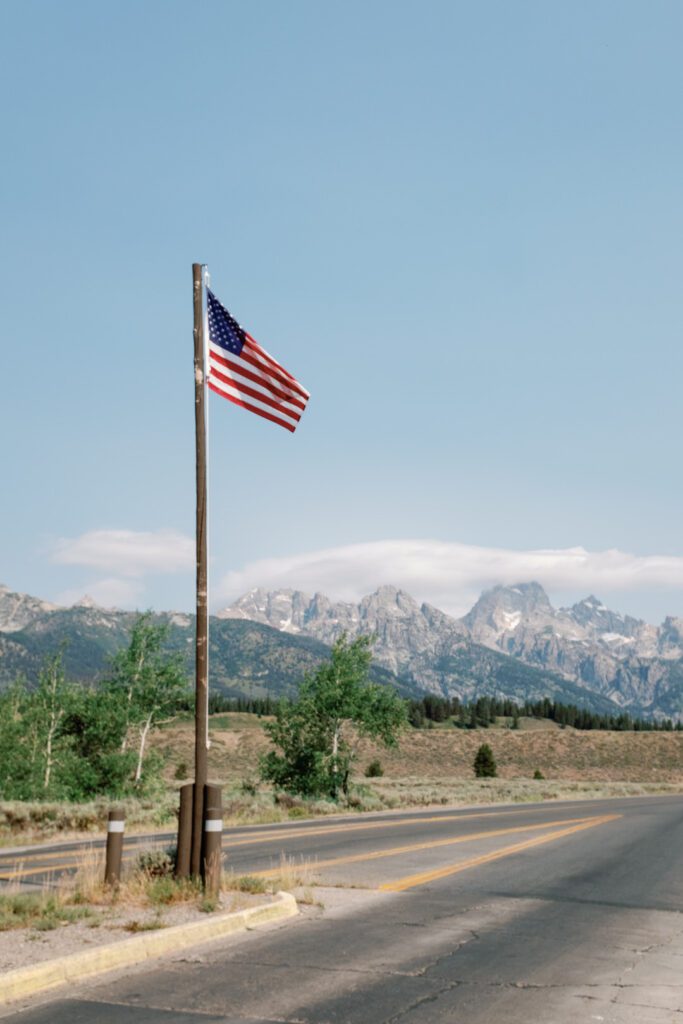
110,593
448,575
127,552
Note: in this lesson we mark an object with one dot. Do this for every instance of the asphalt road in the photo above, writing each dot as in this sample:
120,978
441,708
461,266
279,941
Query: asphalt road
552,913
342,850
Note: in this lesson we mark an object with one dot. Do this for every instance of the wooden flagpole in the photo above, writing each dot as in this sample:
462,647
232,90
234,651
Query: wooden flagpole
201,719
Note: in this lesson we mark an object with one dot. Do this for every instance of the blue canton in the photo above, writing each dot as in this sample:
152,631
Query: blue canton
223,328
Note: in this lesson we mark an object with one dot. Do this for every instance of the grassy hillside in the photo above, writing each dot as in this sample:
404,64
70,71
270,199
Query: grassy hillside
442,756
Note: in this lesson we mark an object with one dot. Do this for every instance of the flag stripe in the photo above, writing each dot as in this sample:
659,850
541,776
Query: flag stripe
225,383
267,374
232,380
244,389
251,356
253,408
232,364
254,346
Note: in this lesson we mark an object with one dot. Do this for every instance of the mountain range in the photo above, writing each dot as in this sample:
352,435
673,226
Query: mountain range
619,658
513,643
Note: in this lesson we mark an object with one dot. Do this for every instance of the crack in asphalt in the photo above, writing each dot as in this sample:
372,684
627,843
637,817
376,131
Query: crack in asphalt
372,971
422,1001
450,986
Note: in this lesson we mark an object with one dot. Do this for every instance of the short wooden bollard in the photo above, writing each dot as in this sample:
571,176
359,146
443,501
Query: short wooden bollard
115,829
212,859
184,848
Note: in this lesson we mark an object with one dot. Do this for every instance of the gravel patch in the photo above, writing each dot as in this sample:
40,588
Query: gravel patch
22,947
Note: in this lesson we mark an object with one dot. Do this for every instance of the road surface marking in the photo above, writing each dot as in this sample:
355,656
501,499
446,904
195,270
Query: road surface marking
410,881
47,869
396,851
75,855
301,833
264,837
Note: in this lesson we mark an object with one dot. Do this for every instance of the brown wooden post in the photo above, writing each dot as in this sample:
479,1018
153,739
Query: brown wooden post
212,860
115,828
201,658
184,848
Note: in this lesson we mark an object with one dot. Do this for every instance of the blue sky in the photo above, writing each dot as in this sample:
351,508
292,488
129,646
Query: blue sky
458,224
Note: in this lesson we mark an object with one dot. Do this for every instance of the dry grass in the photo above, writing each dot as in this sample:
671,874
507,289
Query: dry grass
566,755
456,792
561,754
289,875
28,821
431,766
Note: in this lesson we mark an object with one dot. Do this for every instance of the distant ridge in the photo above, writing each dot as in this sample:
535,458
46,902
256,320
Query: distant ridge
618,658
418,649
512,643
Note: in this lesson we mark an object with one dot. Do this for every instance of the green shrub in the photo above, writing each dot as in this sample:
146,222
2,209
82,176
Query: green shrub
374,770
297,812
41,911
538,774
156,863
162,891
251,883
485,763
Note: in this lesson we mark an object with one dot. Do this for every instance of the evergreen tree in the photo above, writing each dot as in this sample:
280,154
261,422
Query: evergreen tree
485,763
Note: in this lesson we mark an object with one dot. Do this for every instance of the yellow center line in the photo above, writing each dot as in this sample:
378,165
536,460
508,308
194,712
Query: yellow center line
73,856
431,845
410,881
301,833
47,869
273,836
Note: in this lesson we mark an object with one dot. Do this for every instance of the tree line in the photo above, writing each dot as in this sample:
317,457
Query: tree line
260,706
485,711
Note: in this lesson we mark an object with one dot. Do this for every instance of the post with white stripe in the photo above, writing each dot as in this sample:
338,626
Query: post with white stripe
115,829
212,860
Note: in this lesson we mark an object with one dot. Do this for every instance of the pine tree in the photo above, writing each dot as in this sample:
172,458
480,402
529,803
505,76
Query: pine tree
485,763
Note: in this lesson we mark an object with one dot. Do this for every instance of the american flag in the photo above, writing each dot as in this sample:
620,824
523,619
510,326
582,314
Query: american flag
241,371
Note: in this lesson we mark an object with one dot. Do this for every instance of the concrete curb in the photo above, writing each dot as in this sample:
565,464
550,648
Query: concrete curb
28,981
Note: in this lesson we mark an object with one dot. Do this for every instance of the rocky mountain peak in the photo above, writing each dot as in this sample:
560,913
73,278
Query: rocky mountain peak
390,600
19,610
672,634
282,609
597,617
503,609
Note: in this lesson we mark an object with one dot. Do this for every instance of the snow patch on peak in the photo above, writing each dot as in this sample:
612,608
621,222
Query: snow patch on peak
616,638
